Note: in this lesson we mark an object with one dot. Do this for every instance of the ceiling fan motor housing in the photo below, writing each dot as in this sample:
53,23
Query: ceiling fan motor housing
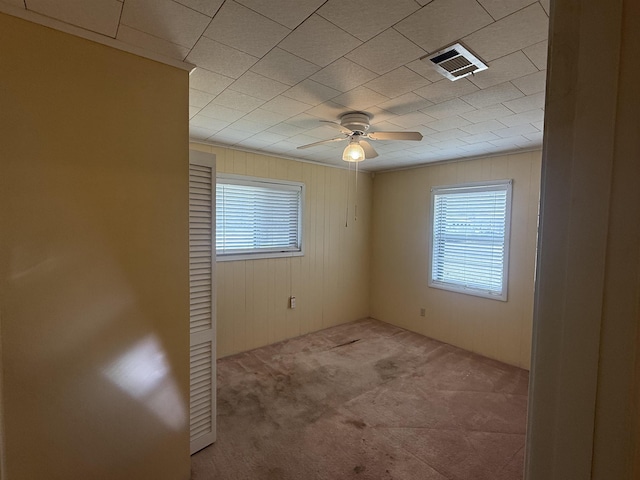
357,122
353,127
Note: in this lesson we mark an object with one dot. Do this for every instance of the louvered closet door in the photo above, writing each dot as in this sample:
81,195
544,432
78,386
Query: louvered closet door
202,320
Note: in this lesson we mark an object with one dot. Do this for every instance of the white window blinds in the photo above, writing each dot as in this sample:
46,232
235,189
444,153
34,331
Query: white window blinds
257,217
470,238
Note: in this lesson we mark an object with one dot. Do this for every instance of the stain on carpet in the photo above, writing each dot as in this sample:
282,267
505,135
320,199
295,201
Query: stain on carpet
356,423
386,368
350,342
391,404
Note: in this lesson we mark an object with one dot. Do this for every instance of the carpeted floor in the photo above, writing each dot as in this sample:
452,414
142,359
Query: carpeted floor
366,400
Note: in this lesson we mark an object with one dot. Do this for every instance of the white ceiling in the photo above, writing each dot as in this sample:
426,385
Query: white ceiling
269,70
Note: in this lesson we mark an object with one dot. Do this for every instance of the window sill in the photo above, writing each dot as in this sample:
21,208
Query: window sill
469,291
257,256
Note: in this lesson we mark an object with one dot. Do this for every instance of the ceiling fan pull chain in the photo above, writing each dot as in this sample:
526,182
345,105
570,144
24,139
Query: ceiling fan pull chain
346,220
355,217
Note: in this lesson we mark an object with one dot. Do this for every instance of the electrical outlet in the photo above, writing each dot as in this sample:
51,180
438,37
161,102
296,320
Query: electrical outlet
423,312
292,302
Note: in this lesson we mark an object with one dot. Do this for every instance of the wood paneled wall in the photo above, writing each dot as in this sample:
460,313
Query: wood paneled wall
500,330
330,282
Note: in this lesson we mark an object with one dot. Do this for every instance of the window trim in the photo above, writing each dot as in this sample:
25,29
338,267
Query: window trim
258,181
477,186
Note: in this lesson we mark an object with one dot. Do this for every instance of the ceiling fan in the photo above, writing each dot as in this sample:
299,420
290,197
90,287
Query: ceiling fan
354,126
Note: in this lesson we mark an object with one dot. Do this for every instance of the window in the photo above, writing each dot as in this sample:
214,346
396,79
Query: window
470,238
258,218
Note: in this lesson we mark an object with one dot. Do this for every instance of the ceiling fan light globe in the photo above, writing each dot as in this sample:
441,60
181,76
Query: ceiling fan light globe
353,153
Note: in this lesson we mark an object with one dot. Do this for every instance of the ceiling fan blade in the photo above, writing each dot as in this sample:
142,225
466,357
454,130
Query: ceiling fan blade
337,139
369,151
337,126
395,136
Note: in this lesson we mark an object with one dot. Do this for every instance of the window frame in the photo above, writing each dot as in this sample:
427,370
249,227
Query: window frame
487,185
268,183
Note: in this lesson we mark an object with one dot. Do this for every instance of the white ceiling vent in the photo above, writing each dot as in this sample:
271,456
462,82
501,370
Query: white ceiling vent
455,62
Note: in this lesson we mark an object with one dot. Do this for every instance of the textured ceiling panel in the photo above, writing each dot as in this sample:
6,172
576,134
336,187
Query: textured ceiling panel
387,51
369,17
268,72
515,32
343,75
102,17
244,29
499,8
504,69
284,67
151,43
303,42
163,19
443,22
490,96
208,7
257,85
289,13
219,58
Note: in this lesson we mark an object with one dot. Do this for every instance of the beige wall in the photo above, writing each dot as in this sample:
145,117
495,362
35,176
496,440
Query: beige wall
93,260
330,282
500,330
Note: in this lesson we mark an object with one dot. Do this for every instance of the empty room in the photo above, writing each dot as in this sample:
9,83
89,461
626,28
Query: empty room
316,239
